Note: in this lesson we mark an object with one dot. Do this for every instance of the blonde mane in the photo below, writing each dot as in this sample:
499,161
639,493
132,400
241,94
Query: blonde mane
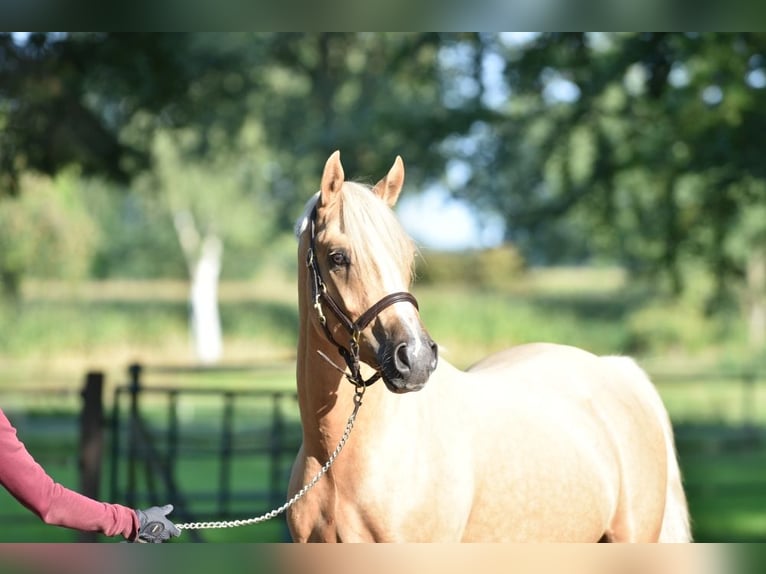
367,221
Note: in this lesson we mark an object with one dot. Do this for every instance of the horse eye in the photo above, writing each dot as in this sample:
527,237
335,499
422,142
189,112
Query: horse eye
339,259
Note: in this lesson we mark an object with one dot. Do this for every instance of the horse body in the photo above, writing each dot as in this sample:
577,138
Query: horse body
538,443
527,452
593,443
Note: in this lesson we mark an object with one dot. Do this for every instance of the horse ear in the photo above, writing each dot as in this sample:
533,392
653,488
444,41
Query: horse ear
389,188
332,179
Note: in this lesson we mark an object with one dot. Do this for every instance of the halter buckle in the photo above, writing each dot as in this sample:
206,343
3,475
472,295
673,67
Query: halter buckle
320,312
355,328
309,257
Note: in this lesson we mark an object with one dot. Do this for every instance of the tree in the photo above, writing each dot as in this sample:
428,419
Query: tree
66,98
221,199
94,100
46,230
642,147
372,96
228,130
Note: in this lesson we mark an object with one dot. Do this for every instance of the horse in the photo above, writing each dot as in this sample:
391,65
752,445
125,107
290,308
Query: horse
541,442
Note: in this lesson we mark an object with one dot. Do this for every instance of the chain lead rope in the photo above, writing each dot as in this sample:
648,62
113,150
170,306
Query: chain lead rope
358,394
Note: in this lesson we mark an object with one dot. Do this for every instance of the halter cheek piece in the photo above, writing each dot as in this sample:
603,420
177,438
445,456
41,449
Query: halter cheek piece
319,295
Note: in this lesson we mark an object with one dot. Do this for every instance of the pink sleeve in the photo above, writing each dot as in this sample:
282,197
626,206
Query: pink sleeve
55,504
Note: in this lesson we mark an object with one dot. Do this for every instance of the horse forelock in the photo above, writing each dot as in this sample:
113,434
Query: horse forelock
369,224
374,230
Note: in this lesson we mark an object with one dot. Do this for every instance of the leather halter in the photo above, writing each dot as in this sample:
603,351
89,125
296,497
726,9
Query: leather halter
320,295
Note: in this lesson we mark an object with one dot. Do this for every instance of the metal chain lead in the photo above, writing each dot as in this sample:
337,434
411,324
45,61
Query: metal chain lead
300,494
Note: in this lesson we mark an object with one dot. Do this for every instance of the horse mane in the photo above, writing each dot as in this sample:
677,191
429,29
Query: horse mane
367,220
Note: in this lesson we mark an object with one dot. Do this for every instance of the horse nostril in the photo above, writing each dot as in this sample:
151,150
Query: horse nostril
402,359
435,357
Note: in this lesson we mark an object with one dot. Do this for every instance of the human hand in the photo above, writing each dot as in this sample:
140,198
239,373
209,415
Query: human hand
154,525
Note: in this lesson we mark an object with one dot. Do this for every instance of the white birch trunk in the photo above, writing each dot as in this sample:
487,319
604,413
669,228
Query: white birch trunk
203,258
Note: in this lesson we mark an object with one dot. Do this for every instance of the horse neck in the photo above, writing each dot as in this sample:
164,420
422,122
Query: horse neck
325,397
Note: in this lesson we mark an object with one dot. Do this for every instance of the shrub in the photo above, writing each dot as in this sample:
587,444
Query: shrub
46,231
494,267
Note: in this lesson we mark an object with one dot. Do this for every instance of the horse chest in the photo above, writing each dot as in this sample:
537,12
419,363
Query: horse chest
404,498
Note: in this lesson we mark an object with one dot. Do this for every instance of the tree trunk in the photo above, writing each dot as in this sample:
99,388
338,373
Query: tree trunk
205,319
756,298
203,258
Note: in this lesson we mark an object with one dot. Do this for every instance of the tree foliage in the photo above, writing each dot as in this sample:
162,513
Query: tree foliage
46,230
638,148
641,147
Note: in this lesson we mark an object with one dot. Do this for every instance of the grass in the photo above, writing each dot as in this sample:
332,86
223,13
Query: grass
65,330
725,490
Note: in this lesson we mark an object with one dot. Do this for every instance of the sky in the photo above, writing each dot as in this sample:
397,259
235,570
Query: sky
434,218
437,221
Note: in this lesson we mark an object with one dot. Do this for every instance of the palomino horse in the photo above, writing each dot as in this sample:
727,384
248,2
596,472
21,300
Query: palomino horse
538,443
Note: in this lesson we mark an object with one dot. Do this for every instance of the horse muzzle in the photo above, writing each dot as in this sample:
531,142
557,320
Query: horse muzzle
407,365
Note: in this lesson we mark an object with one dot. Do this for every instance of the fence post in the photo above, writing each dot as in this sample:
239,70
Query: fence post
277,434
134,372
224,476
91,441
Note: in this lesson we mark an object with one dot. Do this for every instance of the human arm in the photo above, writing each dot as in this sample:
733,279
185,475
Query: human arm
55,504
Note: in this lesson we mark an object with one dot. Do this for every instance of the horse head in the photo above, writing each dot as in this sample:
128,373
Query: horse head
360,261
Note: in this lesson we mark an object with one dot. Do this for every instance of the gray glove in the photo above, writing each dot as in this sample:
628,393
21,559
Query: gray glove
154,526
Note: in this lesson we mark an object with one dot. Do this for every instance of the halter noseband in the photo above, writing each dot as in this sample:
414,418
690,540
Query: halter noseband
320,295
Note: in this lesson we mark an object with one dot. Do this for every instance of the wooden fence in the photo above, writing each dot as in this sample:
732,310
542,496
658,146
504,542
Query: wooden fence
156,458
137,448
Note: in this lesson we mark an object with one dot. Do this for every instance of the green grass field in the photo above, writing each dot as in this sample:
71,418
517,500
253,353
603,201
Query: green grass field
65,330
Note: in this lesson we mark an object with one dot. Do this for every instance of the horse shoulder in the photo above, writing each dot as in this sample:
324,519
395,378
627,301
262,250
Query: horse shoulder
310,519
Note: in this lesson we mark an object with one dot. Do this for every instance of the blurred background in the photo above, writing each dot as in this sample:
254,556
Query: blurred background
596,189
